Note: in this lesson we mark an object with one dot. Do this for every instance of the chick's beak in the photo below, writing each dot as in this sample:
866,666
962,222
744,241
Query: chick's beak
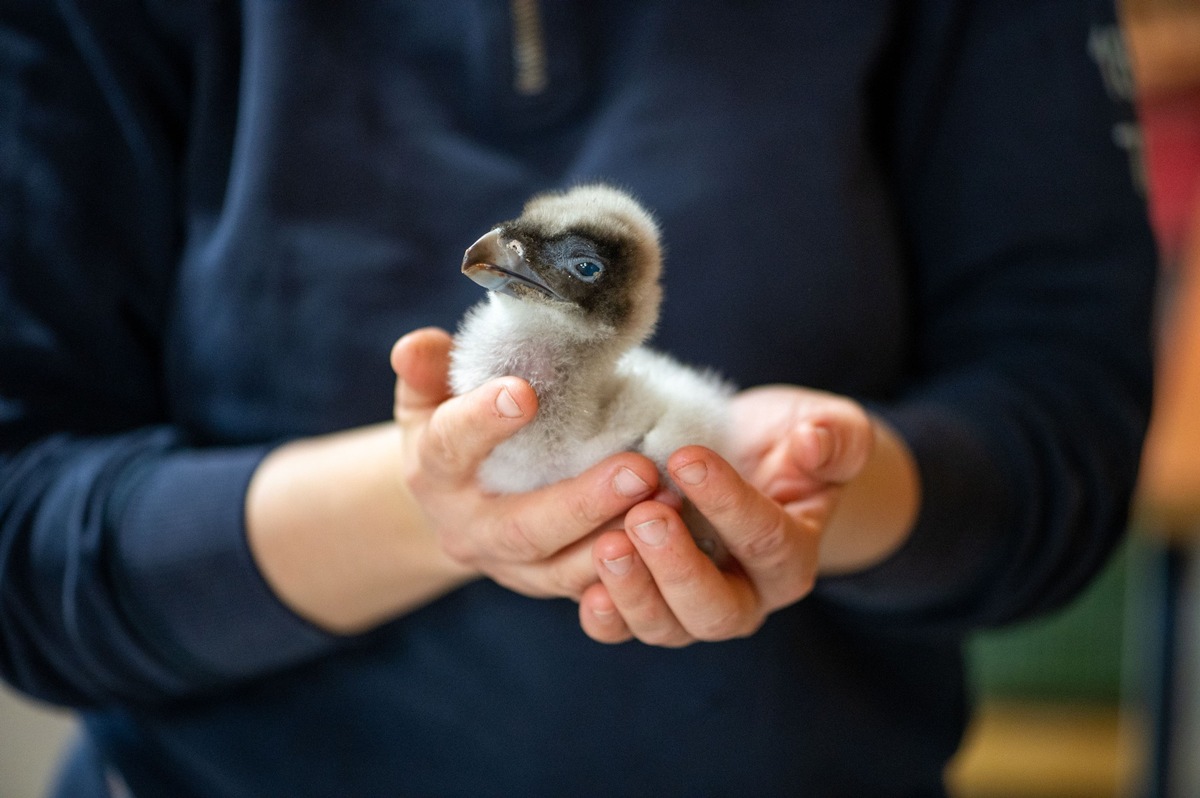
500,265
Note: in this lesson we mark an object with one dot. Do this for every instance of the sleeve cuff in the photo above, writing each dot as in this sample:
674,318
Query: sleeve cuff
186,572
964,511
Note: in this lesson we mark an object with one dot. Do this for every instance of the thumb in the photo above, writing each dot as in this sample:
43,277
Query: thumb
421,360
835,445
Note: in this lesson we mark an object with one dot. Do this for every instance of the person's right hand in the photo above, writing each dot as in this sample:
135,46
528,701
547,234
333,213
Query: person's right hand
537,543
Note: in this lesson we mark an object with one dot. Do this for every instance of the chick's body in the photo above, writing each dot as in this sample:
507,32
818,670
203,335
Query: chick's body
647,403
574,292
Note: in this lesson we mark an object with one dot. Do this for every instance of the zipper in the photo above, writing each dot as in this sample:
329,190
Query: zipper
530,75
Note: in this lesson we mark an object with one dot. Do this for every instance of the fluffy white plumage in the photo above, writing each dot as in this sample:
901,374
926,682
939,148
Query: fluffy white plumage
578,341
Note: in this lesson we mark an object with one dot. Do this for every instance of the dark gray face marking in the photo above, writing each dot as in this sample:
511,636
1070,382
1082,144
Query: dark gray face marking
588,266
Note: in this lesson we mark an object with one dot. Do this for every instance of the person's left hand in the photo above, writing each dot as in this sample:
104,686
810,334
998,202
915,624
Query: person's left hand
794,450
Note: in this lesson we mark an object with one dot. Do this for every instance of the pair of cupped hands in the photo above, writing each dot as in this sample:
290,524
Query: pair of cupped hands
612,538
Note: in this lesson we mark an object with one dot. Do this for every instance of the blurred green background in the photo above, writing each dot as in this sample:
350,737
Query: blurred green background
1075,654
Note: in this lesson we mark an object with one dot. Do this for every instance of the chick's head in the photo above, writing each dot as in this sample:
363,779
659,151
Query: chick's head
591,253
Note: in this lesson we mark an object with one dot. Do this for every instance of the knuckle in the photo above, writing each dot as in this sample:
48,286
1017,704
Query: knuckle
680,575
768,543
582,510
514,542
722,626
722,502
438,448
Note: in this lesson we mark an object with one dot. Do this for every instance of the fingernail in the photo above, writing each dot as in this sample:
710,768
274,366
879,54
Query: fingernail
692,473
619,566
629,484
652,532
824,442
506,405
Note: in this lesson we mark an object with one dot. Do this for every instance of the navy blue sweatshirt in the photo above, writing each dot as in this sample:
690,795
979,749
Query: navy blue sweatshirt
216,218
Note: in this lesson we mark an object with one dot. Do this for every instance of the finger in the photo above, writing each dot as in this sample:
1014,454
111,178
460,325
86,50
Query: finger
834,442
532,526
599,618
777,551
566,574
635,594
463,430
421,360
707,603
805,438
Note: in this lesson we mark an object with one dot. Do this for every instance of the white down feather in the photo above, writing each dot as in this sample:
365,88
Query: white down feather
594,401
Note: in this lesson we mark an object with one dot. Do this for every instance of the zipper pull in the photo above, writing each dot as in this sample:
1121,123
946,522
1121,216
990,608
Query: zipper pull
530,75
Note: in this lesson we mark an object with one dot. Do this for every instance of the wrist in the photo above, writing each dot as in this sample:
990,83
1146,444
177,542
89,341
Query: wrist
338,537
877,509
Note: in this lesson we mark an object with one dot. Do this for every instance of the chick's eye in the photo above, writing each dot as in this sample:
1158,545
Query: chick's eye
587,270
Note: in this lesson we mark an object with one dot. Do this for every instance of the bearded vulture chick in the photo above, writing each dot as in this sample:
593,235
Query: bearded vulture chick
573,293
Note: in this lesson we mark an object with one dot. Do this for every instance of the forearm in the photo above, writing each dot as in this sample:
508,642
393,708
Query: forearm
338,537
876,511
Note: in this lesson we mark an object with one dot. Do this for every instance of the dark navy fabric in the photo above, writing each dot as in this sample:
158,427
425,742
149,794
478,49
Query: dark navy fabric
216,218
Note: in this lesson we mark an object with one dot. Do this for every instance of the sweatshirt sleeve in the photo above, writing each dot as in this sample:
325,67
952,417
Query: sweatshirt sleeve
124,568
1032,271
